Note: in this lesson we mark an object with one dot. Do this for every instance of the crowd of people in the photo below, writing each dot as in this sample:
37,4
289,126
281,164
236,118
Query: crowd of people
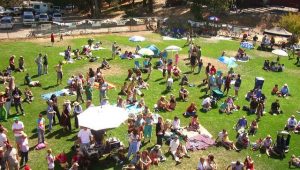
140,126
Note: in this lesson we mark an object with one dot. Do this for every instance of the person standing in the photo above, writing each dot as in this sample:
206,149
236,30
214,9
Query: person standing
237,85
52,38
12,158
77,110
160,131
39,62
7,95
17,128
3,138
89,91
55,108
59,72
16,93
3,112
41,129
66,118
79,90
50,114
21,63
114,50
148,126
2,159
50,159
84,137
103,86
24,146
45,64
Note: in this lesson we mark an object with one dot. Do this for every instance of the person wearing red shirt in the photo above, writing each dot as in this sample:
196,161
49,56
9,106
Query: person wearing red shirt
52,38
213,70
191,110
63,160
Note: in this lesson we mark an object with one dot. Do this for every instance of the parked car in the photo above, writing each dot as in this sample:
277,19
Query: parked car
43,17
7,22
1,11
16,10
57,17
28,18
8,12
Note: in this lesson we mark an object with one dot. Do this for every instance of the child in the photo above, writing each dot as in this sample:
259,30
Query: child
50,159
28,95
24,146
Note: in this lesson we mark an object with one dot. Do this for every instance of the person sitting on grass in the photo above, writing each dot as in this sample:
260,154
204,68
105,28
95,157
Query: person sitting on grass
224,108
194,124
284,92
176,72
191,110
275,108
163,104
28,95
275,90
105,64
172,102
230,103
291,123
27,81
294,161
206,104
253,127
184,80
156,155
249,163
177,150
145,161
266,65
183,94
243,140
142,84
63,160
228,143
267,145
241,124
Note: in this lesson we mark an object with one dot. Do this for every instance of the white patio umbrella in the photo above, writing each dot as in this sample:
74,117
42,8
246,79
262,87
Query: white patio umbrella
105,117
145,51
173,48
137,39
280,53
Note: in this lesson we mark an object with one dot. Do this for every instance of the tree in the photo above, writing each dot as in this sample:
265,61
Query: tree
215,6
291,22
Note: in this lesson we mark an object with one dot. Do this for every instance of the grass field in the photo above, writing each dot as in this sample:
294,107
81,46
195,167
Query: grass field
212,121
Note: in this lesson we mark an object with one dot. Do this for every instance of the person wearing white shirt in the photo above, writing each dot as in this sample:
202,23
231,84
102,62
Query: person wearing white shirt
77,110
206,103
221,135
236,166
202,165
84,137
17,129
174,144
175,125
3,138
291,123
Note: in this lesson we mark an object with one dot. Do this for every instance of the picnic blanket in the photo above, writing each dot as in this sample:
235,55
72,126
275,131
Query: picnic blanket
191,134
63,92
110,86
135,56
133,109
167,38
199,142
94,48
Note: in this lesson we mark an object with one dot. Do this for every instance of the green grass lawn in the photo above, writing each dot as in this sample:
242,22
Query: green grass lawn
212,121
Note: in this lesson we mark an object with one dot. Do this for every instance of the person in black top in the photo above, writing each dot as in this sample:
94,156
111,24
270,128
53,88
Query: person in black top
16,93
200,64
55,108
275,107
298,59
237,85
255,38
160,132
45,64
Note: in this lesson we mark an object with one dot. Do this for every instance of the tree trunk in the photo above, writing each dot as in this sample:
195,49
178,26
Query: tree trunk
97,10
150,5
144,3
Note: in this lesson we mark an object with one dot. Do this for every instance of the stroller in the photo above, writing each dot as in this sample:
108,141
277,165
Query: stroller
282,144
216,93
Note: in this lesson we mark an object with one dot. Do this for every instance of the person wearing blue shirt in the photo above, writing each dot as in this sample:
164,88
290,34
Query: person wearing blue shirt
242,123
284,90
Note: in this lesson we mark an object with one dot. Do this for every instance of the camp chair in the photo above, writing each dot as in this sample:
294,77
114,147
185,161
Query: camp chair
136,64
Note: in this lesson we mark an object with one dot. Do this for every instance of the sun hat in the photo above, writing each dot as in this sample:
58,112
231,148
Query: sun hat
16,118
157,147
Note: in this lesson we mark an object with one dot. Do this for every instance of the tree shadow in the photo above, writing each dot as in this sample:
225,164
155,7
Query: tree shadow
34,76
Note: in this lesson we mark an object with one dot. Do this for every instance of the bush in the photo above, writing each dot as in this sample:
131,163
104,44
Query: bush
291,23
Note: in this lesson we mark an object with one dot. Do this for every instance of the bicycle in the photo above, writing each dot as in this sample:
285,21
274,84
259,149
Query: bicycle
31,34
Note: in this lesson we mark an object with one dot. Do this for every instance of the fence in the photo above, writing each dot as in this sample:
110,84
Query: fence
81,27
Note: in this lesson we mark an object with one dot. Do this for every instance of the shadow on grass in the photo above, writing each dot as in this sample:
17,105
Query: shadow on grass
34,76
159,79
49,87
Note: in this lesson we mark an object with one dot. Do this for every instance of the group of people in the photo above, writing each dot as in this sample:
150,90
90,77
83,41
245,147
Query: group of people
273,66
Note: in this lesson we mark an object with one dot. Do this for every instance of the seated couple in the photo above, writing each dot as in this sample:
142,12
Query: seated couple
164,105
27,81
228,106
127,55
283,92
223,139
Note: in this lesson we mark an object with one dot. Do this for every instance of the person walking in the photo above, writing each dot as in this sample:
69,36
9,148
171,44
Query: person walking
41,129
52,38
8,97
39,62
114,50
50,159
45,64
89,91
79,90
59,72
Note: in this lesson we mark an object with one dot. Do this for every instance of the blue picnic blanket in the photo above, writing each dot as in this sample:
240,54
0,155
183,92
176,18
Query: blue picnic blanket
63,92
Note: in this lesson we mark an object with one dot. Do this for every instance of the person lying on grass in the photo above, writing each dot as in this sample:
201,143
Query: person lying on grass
294,161
27,81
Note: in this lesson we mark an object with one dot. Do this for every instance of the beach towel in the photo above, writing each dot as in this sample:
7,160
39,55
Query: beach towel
63,92
199,142
110,86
